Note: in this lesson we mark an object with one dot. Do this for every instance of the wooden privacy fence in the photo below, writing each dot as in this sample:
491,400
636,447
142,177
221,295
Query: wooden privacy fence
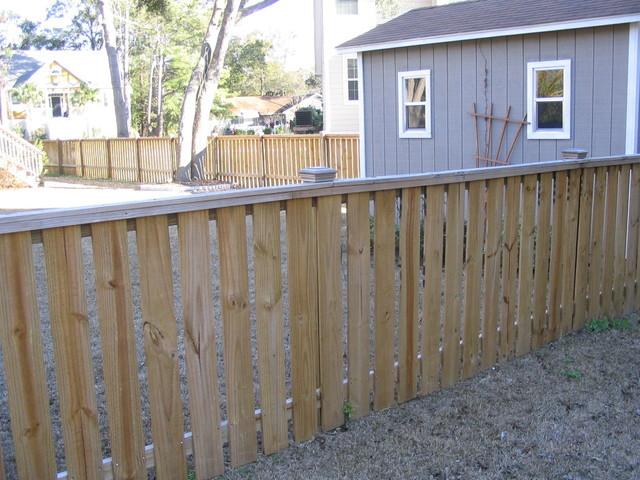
504,259
248,160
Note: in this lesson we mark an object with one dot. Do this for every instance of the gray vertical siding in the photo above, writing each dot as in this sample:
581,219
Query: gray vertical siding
495,71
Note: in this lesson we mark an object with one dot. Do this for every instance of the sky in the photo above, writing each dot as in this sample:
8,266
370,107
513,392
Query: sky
288,23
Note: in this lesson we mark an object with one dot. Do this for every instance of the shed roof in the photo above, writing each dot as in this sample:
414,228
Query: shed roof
487,18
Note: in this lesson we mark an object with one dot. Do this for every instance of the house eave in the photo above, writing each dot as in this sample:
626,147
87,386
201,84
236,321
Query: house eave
480,34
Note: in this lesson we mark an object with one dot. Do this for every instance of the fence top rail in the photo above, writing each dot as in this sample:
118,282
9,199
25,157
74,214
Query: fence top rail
50,218
221,137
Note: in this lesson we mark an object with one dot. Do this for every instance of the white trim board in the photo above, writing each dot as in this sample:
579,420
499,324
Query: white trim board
456,37
361,145
633,90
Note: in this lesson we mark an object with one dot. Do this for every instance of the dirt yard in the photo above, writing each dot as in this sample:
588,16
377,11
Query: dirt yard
570,411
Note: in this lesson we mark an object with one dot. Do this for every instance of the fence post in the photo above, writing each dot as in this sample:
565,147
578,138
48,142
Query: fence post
60,161
138,162
81,159
109,166
263,178
323,155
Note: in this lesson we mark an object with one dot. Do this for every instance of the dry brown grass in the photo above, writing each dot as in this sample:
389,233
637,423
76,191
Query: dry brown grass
9,181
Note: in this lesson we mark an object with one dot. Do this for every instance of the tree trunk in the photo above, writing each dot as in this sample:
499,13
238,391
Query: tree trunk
123,114
188,111
200,93
202,124
152,67
159,105
126,62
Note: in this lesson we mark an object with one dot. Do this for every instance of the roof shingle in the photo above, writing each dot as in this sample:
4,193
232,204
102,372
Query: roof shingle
486,15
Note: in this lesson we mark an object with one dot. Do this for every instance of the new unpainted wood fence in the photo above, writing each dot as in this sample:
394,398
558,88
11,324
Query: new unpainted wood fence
491,264
248,160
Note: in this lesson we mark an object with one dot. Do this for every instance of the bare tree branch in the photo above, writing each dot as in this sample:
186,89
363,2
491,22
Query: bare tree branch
246,11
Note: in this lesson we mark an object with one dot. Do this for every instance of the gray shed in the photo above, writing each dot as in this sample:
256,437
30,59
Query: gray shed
570,66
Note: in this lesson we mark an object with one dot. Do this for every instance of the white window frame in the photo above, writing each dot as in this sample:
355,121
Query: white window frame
414,132
533,132
346,79
357,2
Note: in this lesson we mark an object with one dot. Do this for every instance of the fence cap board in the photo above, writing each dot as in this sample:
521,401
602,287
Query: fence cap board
40,219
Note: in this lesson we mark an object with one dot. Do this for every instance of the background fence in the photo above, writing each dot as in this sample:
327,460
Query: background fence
480,266
248,160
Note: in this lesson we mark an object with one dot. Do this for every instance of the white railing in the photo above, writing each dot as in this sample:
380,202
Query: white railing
17,152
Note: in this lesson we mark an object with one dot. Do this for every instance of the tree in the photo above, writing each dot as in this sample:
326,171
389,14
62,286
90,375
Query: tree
84,94
201,90
85,30
245,66
386,9
248,70
164,46
121,102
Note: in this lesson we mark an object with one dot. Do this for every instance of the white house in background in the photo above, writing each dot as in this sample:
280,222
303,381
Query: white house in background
58,75
258,113
336,21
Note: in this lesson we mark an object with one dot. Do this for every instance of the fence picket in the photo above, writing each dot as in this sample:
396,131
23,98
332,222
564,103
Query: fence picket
74,369
409,284
270,326
330,311
493,250
542,254
453,281
510,268
569,250
619,258
358,260
583,258
556,267
433,256
597,243
200,342
609,242
160,345
473,278
234,295
115,312
23,360
385,265
526,279
632,249
303,314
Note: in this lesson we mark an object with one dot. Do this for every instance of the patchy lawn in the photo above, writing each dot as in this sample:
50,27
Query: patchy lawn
569,411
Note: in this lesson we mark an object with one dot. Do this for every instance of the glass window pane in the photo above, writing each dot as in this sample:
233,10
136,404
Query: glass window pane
353,89
415,89
415,116
549,115
549,83
347,7
352,68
